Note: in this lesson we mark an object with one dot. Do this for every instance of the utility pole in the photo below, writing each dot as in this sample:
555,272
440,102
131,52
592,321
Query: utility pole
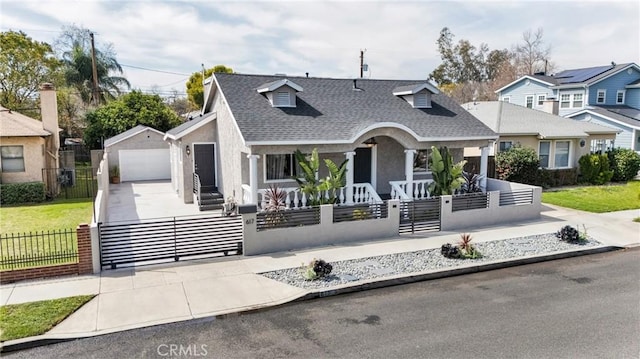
96,99
361,63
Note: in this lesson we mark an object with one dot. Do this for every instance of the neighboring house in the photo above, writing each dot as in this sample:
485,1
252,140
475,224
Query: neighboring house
577,89
140,153
558,141
623,118
252,124
27,145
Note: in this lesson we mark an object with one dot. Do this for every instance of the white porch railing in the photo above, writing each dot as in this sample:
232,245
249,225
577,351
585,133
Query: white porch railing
362,193
420,189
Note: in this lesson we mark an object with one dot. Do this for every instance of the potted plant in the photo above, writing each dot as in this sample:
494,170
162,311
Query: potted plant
114,174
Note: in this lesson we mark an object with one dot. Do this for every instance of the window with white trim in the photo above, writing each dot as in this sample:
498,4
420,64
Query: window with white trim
529,101
541,99
280,167
505,145
601,96
543,153
577,100
561,156
12,158
506,99
620,96
565,100
421,160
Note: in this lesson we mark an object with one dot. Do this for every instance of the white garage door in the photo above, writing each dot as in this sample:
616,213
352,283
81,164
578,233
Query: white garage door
144,165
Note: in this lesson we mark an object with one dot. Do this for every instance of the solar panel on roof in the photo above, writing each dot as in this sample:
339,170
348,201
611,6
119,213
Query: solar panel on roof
580,75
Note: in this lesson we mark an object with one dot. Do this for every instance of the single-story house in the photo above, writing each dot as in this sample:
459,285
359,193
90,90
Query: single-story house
623,118
28,145
559,141
251,125
140,153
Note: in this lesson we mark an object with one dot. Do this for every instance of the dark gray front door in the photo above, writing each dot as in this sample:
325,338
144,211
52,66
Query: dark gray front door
362,165
204,163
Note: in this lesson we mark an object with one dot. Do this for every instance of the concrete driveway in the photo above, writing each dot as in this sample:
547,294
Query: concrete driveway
131,201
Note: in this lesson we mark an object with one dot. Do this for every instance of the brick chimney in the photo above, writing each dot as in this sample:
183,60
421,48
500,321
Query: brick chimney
49,110
551,105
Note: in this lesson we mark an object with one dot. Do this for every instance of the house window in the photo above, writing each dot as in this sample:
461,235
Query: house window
620,97
541,99
565,100
505,145
562,154
506,99
421,161
577,100
280,167
282,99
601,97
543,153
12,158
529,101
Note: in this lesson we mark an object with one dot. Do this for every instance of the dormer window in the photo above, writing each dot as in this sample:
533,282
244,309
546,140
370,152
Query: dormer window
419,95
280,93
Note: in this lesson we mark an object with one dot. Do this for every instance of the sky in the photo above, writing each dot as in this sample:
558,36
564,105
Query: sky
160,43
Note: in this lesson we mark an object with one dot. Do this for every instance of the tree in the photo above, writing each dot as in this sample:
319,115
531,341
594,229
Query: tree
531,55
195,87
75,44
125,113
24,65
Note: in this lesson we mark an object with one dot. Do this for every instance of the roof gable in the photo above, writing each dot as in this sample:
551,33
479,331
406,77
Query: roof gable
128,134
274,85
544,80
189,126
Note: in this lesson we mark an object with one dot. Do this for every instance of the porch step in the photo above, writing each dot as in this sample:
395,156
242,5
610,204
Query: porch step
210,207
210,201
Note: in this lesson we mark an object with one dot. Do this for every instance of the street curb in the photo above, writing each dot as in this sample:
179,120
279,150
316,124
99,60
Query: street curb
425,276
26,343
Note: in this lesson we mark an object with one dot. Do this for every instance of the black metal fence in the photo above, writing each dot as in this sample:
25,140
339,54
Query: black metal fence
360,212
516,198
463,202
34,249
288,218
77,182
81,153
420,215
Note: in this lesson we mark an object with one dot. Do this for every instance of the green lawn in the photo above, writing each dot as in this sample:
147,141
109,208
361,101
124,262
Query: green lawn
36,318
598,199
57,214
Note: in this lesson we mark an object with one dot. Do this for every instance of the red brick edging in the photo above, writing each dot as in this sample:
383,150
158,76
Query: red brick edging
84,265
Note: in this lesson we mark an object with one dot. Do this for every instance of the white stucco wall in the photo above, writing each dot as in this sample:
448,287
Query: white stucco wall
34,162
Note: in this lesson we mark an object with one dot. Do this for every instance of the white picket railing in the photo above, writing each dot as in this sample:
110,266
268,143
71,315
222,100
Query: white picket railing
420,189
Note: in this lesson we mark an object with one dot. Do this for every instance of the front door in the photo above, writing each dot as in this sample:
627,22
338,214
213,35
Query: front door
204,164
362,165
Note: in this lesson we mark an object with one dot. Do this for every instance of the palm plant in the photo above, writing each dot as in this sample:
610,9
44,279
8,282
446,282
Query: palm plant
315,188
447,176
79,73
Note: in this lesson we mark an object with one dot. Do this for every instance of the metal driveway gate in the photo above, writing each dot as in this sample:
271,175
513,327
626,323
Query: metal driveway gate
169,239
420,215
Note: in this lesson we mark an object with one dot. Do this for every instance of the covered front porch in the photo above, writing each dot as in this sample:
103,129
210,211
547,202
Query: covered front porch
382,164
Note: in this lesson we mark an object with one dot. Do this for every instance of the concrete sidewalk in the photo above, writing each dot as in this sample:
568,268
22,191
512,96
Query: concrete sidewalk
151,295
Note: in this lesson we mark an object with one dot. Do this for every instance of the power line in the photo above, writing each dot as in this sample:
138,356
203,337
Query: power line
153,70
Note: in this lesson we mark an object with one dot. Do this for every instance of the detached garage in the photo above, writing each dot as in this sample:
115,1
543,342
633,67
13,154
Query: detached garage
140,153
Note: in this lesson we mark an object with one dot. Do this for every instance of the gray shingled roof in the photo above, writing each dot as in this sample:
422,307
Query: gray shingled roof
16,124
624,114
178,130
126,134
509,119
330,110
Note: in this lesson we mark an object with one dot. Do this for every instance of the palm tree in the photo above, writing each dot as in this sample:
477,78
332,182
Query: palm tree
79,73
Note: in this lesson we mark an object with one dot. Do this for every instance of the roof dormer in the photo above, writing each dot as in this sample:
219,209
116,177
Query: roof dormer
281,93
418,96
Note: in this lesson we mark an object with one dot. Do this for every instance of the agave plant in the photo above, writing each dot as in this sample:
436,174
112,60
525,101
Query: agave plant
466,248
471,182
275,202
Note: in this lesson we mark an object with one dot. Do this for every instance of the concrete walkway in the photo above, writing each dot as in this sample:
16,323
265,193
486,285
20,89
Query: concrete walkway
150,295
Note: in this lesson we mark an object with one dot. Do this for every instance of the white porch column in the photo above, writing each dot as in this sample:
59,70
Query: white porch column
484,161
253,177
408,170
349,184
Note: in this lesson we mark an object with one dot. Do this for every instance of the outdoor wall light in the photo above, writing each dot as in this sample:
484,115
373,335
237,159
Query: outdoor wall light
582,142
370,142
188,150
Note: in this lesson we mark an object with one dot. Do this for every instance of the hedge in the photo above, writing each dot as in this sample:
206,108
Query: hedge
17,193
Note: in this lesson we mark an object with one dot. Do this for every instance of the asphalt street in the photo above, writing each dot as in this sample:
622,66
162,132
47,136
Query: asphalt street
583,307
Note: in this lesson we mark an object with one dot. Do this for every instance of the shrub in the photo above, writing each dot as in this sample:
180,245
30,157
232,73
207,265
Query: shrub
17,193
464,250
594,169
316,269
557,177
571,235
450,251
518,164
625,164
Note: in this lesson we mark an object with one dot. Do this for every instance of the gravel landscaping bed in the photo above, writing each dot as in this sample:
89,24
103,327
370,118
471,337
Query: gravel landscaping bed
419,261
